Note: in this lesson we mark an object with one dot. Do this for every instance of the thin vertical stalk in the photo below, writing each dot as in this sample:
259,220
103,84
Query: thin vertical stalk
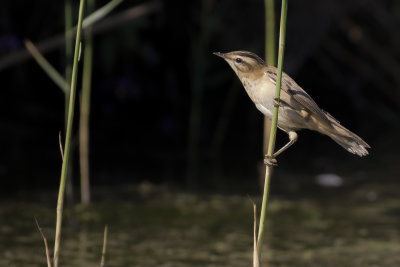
271,145
45,244
85,111
67,146
269,57
68,51
256,259
104,250
68,17
270,32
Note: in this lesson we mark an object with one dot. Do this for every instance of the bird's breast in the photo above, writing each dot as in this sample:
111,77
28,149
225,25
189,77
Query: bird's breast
261,92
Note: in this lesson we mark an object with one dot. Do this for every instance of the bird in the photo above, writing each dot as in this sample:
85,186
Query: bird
297,110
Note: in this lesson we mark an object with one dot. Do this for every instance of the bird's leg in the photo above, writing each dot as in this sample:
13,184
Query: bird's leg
270,160
292,140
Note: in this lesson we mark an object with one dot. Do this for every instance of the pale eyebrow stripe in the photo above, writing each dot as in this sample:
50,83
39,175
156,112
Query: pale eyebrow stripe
253,56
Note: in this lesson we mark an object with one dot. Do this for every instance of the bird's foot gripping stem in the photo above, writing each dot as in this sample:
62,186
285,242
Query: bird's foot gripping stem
277,102
270,161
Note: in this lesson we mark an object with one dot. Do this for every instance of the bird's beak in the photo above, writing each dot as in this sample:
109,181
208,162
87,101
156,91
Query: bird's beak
220,54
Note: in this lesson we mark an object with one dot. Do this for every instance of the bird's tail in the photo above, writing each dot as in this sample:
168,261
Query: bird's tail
347,139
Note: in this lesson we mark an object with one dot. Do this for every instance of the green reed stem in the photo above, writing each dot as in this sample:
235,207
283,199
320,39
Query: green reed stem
271,145
85,111
65,163
269,57
270,32
68,52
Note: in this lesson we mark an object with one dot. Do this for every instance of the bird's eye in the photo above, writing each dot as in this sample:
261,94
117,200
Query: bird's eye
238,60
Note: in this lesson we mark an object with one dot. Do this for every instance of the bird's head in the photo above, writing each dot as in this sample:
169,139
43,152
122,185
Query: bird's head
242,62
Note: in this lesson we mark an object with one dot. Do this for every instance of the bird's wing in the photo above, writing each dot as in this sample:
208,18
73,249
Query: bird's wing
299,95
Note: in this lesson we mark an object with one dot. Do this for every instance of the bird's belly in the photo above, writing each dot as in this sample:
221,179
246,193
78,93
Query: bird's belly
263,94
288,119
267,111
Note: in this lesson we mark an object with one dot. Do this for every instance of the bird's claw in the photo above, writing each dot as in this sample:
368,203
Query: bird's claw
276,102
270,161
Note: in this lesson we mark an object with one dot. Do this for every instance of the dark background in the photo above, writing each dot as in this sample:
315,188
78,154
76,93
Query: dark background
165,110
